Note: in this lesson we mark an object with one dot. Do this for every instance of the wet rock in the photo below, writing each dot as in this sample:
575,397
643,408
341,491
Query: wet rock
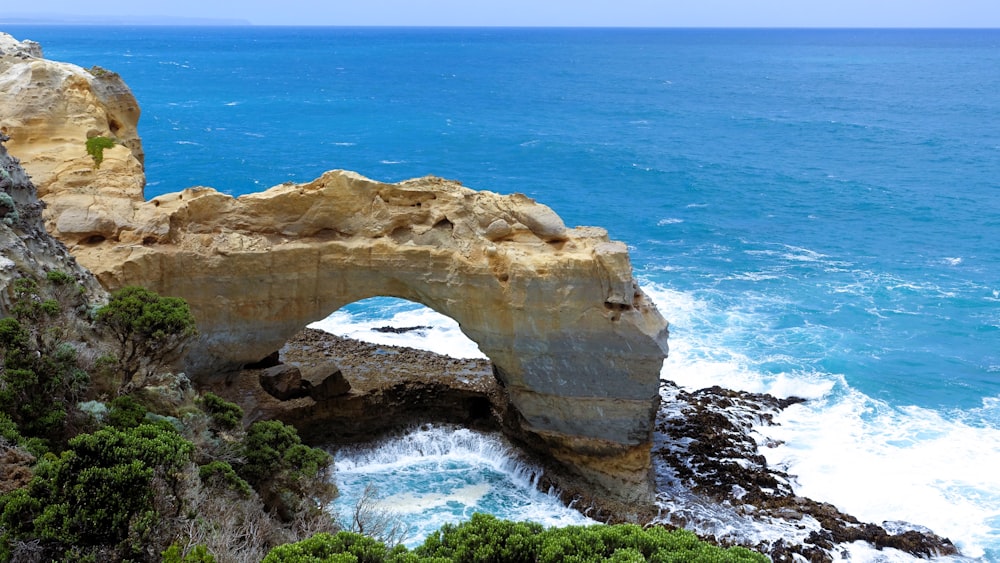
709,444
400,329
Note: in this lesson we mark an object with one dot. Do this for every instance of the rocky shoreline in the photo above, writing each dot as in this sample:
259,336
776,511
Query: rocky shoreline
705,445
707,461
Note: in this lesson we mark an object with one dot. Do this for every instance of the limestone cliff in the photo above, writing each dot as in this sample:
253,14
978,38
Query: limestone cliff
575,342
49,109
26,249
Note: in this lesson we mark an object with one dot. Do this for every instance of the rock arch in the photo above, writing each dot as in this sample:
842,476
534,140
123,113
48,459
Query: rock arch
576,343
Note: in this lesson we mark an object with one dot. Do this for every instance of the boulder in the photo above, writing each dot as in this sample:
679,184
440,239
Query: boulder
324,381
283,382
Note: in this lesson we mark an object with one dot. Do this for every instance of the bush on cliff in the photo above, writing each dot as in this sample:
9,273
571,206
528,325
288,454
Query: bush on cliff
150,331
96,146
224,414
137,485
97,494
40,375
290,476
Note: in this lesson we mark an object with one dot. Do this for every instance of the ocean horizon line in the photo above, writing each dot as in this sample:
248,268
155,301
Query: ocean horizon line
173,22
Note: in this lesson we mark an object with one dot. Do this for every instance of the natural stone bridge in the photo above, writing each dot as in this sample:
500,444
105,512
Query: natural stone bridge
575,342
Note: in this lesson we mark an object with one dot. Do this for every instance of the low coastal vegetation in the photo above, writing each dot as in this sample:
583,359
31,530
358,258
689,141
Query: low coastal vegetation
96,146
486,539
107,456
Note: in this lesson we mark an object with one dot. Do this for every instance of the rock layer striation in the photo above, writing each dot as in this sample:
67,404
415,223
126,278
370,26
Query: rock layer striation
576,344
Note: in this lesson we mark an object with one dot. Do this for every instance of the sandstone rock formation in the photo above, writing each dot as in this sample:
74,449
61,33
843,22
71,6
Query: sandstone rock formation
26,249
575,342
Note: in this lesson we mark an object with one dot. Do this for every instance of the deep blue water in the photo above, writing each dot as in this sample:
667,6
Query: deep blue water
817,212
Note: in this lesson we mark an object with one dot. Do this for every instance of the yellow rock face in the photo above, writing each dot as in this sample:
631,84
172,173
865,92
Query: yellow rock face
576,343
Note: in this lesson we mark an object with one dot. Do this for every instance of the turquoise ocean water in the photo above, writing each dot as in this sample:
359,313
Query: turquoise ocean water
816,212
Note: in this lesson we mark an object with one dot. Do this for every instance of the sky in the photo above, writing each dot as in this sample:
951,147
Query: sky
547,13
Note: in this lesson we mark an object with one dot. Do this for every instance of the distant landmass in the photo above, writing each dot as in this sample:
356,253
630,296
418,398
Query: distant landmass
72,19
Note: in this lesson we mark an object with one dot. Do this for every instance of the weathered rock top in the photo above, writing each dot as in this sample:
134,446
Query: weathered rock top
576,343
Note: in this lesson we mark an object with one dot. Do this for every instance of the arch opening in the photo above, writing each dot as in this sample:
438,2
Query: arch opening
374,366
400,322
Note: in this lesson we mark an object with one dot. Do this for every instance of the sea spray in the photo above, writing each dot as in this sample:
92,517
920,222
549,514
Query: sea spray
436,474
884,463
431,331
905,464
875,461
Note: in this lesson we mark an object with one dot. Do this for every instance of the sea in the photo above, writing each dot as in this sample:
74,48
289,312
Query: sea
816,212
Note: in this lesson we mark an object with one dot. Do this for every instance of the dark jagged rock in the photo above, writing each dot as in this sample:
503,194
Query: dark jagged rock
399,330
708,443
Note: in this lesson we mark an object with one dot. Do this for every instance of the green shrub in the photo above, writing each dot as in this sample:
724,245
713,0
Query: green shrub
13,337
27,305
220,473
96,493
149,329
226,415
198,554
59,278
8,431
96,146
289,475
486,539
342,546
125,412
40,376
37,387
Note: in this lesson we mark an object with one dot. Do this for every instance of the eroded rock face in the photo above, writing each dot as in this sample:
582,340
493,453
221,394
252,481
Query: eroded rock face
575,342
49,109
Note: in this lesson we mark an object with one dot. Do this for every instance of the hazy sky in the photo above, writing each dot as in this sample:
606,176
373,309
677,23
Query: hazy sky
649,13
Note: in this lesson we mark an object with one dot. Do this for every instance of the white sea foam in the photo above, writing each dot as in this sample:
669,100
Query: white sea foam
415,503
443,474
669,221
882,463
439,443
442,334
870,459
